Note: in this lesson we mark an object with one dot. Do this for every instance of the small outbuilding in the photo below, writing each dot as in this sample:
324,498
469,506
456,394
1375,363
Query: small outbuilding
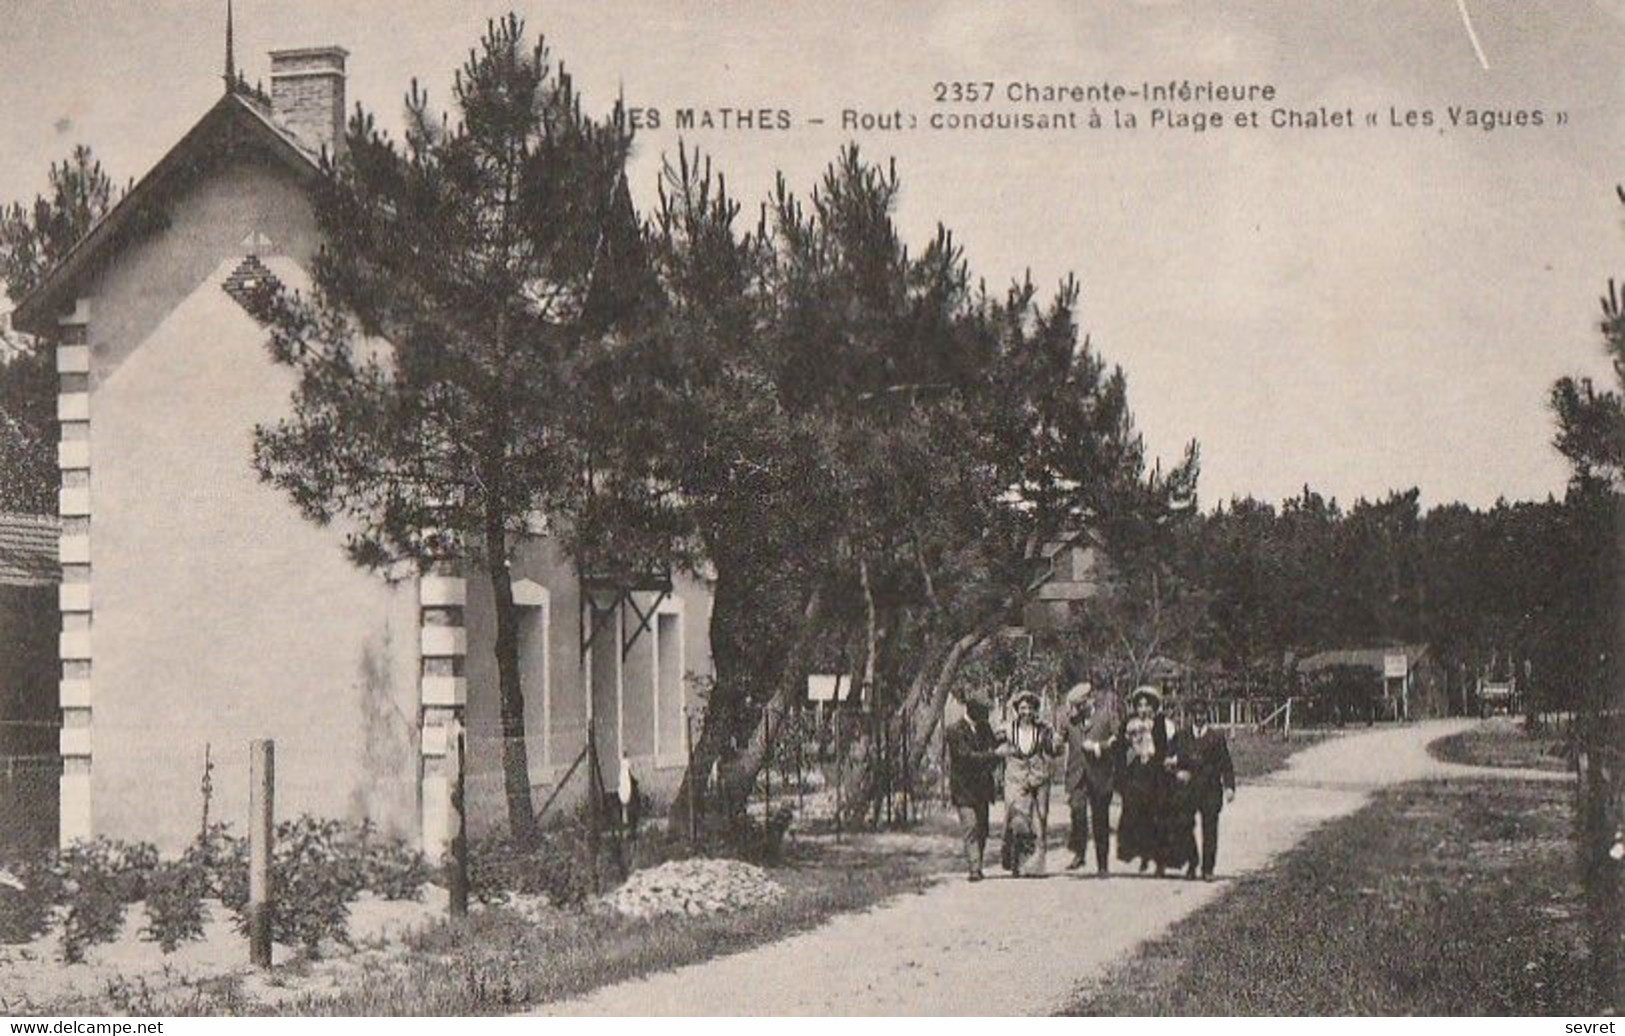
1408,679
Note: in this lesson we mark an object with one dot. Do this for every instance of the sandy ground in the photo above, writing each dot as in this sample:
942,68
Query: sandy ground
131,973
991,948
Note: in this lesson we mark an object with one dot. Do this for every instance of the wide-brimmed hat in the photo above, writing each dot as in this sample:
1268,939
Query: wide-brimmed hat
1147,691
1032,696
1080,693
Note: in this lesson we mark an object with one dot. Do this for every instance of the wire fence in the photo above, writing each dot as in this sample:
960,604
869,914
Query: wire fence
830,768
29,796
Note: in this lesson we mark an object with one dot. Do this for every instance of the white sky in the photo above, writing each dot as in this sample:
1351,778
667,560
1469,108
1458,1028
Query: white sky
1359,310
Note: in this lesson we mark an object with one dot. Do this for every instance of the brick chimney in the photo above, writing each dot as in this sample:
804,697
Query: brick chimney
307,95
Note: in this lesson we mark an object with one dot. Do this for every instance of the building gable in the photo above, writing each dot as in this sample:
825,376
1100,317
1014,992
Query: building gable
235,126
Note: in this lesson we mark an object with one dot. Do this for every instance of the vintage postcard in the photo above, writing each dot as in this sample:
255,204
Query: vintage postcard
731,507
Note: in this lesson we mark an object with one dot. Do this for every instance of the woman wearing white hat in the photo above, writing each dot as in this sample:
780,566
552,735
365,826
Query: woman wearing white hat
1143,780
1031,747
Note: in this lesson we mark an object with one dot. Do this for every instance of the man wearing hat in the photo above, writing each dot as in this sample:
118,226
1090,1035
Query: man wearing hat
974,751
1093,722
1207,780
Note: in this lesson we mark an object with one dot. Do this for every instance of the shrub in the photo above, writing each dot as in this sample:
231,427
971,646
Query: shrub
25,912
389,867
314,879
223,860
742,836
175,894
559,868
99,878
215,864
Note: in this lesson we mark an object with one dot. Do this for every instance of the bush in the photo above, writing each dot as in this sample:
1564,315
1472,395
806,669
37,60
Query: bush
99,879
314,877
225,862
223,859
742,836
318,868
175,894
559,868
26,912
389,867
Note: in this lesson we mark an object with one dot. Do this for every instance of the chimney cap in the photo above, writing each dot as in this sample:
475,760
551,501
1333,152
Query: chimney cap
299,55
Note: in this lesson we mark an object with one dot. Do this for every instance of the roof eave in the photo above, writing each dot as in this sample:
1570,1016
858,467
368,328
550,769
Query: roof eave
35,312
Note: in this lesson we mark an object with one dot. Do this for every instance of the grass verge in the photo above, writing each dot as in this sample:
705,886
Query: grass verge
1438,898
1255,754
1502,742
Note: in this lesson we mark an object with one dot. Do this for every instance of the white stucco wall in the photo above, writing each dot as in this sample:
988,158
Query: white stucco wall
221,615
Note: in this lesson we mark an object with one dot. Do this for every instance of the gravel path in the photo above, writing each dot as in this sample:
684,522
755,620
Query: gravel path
991,949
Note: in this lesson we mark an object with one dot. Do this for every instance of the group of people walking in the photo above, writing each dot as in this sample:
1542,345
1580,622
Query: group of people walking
1171,775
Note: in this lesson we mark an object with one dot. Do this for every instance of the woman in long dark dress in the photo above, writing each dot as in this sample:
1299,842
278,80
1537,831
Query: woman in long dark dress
1143,782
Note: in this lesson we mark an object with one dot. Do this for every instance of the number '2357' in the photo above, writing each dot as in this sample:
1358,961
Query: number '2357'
970,92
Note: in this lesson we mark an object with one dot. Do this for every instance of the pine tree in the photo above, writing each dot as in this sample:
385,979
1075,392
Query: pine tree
1591,435
485,252
878,457
33,238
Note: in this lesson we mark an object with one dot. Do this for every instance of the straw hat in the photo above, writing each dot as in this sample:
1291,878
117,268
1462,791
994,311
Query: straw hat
1079,694
1147,691
1032,696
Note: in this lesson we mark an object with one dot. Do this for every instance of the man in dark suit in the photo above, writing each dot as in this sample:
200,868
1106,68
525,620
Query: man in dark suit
1207,779
1091,729
973,754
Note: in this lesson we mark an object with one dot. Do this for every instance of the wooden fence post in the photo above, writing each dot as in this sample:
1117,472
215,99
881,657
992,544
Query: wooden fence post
693,778
457,881
595,803
261,788
840,772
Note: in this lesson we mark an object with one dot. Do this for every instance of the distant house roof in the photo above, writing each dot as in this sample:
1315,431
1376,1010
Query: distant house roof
1370,658
1079,571
28,549
237,117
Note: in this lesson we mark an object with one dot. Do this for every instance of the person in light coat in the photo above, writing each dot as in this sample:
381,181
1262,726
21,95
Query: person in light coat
1031,749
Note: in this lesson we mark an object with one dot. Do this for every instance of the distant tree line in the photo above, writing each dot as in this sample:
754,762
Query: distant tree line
1520,589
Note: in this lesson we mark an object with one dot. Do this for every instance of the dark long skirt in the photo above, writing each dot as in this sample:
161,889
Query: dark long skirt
1138,826
1176,833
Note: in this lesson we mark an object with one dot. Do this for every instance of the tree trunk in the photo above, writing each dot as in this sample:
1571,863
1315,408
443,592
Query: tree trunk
510,694
871,639
738,777
736,676
728,690
920,713
921,709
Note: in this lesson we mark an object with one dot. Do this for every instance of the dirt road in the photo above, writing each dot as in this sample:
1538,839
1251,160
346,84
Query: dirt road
991,949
